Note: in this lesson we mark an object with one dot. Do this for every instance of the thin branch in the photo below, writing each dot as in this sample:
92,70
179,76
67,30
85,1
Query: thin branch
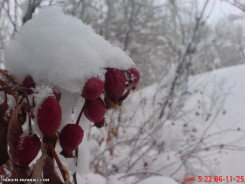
237,4
180,66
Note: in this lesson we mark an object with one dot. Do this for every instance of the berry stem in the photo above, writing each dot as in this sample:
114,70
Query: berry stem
63,170
24,89
79,116
6,88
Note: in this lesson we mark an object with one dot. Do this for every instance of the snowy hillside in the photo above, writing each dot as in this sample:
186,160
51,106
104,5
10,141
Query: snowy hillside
229,82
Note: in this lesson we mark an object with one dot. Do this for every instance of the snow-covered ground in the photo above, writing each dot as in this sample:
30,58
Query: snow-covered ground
229,82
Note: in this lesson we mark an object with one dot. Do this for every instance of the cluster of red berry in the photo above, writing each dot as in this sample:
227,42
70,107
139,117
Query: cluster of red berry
115,89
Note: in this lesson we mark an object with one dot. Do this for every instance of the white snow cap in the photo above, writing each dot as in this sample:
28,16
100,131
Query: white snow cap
61,50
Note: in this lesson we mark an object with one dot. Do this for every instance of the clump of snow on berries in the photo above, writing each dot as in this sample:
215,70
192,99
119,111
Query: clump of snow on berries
41,92
60,53
61,50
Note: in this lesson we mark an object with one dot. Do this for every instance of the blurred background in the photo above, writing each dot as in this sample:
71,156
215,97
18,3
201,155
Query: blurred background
186,117
154,33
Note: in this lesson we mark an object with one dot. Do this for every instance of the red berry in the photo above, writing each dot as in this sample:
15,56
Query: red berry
114,83
49,116
57,94
28,82
28,148
93,88
94,110
70,137
133,77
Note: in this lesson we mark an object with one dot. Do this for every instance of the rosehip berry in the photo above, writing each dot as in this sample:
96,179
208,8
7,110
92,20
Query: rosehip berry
28,82
57,94
132,77
93,88
94,110
70,137
49,116
28,148
114,83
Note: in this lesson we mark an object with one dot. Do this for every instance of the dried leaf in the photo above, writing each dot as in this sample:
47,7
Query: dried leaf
68,182
49,171
14,132
63,169
3,84
12,93
3,106
110,104
8,77
8,89
38,168
3,132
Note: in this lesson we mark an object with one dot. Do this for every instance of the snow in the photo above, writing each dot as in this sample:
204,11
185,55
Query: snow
91,179
220,91
61,50
41,92
229,82
96,178
158,180
167,163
